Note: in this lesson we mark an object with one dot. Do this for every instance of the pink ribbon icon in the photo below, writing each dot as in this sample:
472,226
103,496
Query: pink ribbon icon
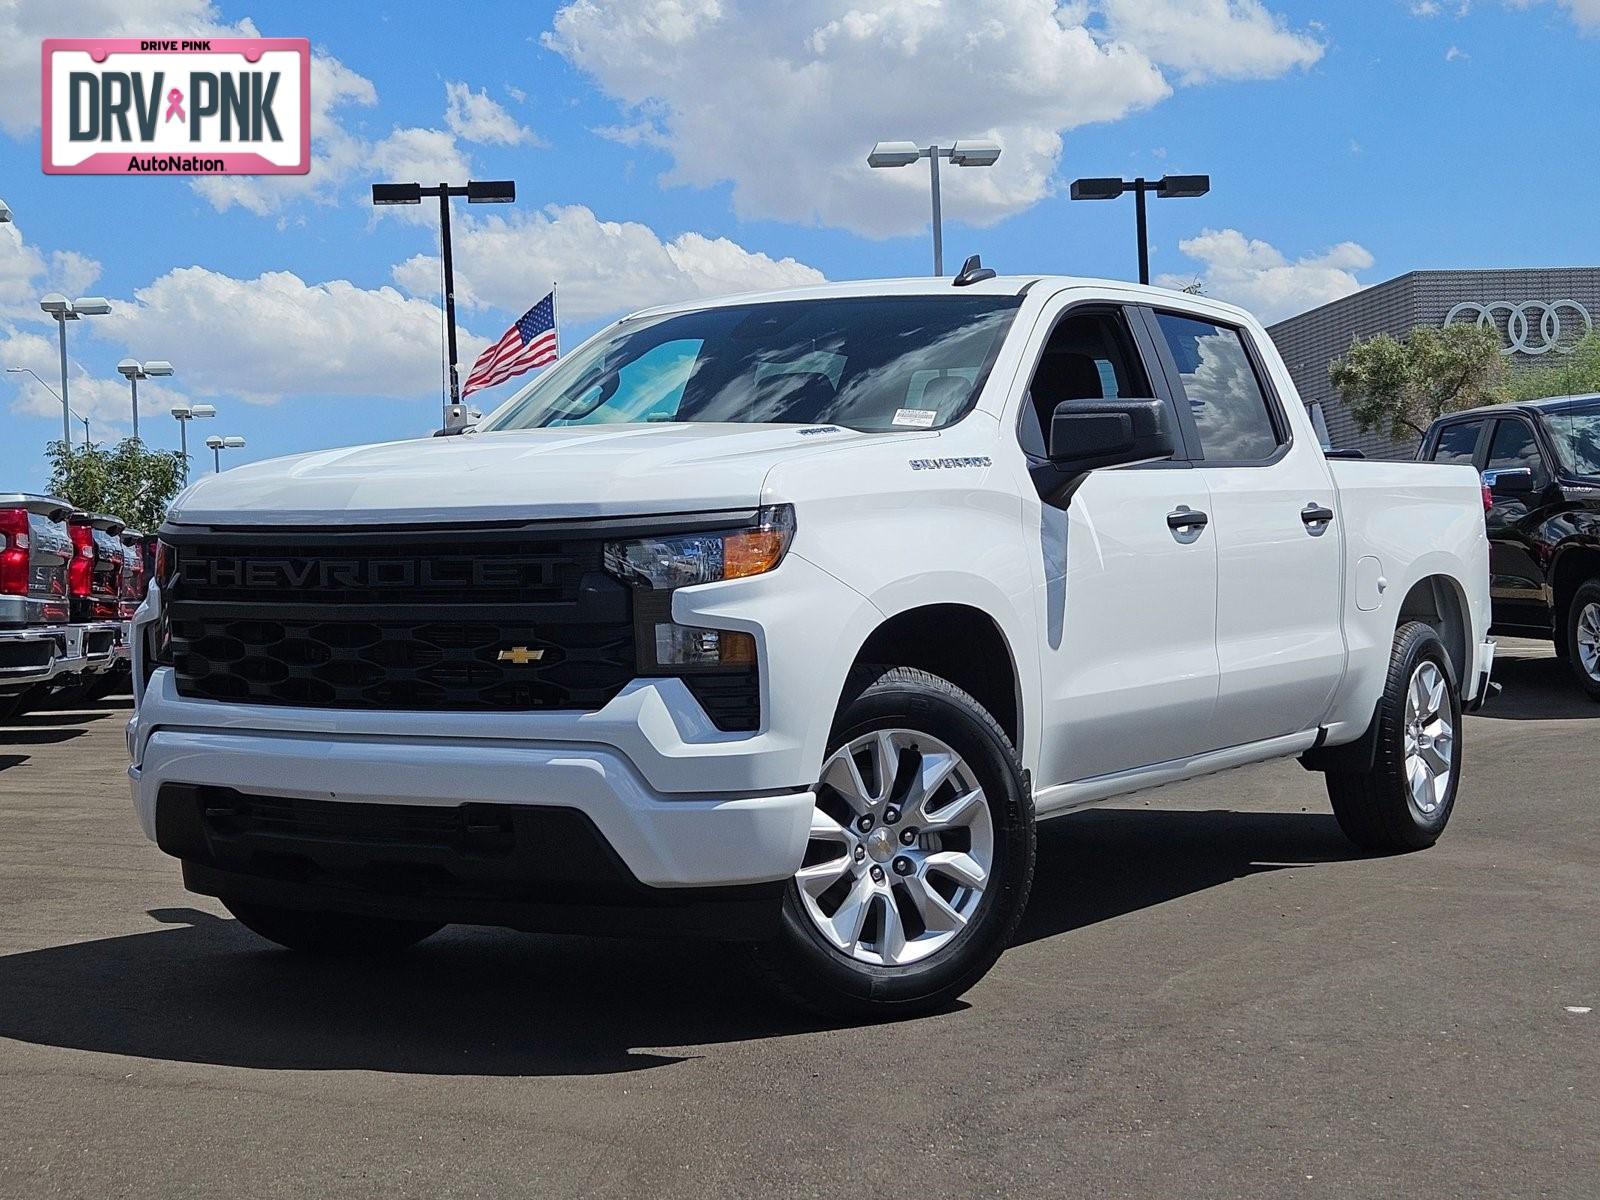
174,106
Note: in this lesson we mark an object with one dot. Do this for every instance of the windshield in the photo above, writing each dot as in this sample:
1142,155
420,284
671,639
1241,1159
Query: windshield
1576,433
875,363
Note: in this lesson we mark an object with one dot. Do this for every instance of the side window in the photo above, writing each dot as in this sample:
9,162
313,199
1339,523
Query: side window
1457,443
1225,397
1514,446
1090,356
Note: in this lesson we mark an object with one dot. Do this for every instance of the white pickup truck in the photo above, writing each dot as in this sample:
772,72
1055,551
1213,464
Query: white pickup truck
784,618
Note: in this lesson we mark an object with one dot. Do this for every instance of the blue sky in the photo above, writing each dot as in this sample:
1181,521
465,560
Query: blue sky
670,149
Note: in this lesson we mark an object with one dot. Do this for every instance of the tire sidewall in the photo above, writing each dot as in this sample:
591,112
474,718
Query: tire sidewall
1587,593
895,701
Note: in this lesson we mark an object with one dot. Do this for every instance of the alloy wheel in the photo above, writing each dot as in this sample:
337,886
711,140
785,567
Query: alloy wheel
1588,639
1430,740
901,848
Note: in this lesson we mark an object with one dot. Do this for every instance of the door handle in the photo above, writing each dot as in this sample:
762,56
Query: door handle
1183,519
1317,517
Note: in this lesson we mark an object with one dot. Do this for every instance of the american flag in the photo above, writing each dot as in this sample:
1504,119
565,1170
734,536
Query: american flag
529,343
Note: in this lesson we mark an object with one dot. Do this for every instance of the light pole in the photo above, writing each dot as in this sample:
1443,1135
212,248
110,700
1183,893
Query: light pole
64,310
217,445
477,191
1168,187
968,153
53,392
134,371
186,413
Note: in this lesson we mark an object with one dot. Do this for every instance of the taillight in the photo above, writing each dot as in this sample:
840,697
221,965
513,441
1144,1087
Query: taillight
14,542
81,572
1488,497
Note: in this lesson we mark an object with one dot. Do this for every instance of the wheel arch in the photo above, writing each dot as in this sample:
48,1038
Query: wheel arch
1574,562
1439,600
958,642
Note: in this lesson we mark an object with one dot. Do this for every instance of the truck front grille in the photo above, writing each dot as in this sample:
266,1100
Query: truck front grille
481,620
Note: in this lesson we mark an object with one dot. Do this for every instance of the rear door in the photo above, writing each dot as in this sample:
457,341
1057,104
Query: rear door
1280,558
1127,607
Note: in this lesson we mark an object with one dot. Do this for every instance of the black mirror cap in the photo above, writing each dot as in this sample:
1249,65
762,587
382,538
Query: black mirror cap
1517,481
1086,435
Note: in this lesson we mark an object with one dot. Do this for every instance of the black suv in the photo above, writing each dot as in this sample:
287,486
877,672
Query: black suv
1541,467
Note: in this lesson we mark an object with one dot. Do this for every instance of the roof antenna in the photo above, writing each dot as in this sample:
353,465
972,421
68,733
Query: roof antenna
973,271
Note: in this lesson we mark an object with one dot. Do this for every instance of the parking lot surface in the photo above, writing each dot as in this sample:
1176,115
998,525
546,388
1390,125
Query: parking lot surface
1213,995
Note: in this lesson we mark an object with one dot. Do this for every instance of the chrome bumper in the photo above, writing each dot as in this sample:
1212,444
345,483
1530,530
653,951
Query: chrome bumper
39,653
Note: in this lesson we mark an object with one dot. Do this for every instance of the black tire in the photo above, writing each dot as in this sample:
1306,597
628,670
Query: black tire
1375,808
329,935
810,971
1587,595
14,704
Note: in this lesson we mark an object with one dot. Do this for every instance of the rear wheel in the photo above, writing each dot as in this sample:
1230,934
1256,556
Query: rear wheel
920,857
1405,800
1583,637
328,934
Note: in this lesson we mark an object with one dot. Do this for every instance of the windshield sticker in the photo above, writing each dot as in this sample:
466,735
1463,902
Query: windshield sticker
946,464
916,418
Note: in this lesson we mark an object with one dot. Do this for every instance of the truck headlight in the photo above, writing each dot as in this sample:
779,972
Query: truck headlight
683,560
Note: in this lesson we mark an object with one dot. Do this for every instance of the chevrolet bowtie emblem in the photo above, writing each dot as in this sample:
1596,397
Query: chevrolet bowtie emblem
520,655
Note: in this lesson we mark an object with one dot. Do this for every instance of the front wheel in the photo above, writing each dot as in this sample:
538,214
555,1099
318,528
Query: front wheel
326,934
920,857
1583,637
1405,800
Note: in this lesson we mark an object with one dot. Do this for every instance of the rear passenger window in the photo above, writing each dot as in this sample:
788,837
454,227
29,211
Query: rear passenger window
1457,443
1225,396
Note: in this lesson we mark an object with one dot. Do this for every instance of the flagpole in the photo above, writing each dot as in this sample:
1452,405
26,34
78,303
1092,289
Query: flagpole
555,323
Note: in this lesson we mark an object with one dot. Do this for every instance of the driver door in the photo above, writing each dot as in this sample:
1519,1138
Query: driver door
1127,604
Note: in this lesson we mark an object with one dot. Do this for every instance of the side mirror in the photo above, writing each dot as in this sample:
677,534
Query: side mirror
1513,481
1088,434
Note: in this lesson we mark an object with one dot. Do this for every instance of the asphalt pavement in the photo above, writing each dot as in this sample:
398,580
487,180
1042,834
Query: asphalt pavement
1214,995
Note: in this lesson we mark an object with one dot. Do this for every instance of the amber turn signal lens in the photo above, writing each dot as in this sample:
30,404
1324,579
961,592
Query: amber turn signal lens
738,649
753,552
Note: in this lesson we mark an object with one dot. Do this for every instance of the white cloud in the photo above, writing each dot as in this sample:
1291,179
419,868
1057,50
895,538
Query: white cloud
1585,13
25,23
603,267
276,335
1212,39
335,153
1257,276
783,101
1426,8
1456,54
26,274
475,117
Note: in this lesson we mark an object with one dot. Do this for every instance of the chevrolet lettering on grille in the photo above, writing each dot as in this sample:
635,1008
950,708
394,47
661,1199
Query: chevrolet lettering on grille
371,573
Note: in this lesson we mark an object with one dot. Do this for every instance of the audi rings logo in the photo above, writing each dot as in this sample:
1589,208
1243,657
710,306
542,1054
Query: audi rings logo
1531,327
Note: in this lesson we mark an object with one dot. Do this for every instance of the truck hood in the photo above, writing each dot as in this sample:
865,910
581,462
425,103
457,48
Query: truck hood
575,472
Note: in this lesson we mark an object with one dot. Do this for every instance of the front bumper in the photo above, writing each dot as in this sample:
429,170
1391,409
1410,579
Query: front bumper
663,841
39,653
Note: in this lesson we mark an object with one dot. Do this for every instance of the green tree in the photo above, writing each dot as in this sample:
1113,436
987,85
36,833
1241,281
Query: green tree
126,481
1402,387
1575,374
